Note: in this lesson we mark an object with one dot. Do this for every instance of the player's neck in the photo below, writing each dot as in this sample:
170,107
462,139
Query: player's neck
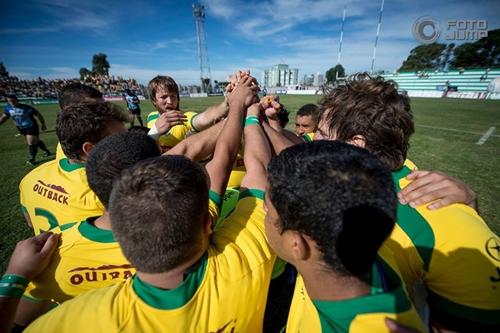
103,222
323,285
171,279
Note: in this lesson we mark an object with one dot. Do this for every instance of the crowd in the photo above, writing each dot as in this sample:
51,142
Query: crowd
108,85
225,221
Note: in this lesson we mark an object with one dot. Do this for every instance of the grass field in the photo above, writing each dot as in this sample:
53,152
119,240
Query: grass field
447,131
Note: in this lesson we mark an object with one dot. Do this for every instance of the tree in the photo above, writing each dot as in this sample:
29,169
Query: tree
3,71
424,57
333,73
483,53
84,72
100,64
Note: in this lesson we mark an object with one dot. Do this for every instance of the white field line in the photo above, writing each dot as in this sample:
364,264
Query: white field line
486,135
455,130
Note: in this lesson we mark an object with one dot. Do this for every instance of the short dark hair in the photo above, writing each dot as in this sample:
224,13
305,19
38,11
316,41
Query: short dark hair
76,93
339,195
139,129
112,155
373,108
165,82
309,110
87,122
158,208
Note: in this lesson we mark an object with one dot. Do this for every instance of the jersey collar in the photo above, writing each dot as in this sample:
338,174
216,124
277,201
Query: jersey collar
67,166
95,234
170,299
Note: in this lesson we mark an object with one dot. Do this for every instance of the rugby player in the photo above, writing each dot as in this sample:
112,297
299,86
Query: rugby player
320,196
57,192
24,117
451,249
306,121
133,105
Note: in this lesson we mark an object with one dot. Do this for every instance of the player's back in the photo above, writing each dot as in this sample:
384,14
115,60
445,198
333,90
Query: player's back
456,255
22,114
87,258
225,291
57,193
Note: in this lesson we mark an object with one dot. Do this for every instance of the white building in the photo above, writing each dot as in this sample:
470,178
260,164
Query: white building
280,76
319,79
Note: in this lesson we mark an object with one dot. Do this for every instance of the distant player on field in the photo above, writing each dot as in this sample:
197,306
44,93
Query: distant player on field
24,117
133,105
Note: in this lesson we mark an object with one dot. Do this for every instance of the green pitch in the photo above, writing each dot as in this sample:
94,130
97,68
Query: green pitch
446,135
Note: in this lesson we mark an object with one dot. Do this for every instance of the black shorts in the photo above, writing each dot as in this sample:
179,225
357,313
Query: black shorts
33,130
136,111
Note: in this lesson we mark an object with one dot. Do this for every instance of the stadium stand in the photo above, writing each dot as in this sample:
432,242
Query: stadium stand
471,83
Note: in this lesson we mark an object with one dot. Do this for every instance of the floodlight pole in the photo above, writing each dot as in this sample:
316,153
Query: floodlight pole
341,35
205,75
378,32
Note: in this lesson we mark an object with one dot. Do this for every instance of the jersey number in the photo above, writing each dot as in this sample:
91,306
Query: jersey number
49,216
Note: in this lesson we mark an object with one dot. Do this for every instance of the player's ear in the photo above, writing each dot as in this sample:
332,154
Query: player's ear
358,141
209,224
298,246
87,147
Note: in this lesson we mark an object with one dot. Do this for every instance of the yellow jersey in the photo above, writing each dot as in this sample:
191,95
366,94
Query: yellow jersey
57,193
87,258
308,137
176,134
388,299
59,152
455,254
224,292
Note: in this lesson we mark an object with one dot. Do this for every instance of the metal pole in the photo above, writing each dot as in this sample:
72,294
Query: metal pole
378,32
341,35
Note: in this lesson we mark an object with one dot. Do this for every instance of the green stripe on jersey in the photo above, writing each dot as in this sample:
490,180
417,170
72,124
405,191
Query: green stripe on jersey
413,224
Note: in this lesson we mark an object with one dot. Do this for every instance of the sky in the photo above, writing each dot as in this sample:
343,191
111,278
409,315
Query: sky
55,38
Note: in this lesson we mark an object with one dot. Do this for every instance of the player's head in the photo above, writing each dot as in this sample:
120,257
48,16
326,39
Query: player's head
112,155
80,126
306,119
330,204
370,113
164,93
139,129
159,213
76,92
12,100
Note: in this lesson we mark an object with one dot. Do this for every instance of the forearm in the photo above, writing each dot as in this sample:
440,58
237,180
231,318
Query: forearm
11,289
211,115
257,155
199,145
278,140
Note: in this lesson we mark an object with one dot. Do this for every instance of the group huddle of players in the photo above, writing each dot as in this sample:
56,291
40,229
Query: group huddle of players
225,221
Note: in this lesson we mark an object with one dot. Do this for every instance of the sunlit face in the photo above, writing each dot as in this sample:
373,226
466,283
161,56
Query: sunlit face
165,100
304,125
323,130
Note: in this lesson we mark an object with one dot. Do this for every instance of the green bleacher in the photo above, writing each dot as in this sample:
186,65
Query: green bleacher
465,81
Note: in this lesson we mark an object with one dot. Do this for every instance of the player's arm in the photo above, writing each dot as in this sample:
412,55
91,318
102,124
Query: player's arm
30,257
257,153
3,118
40,118
278,140
226,148
165,122
198,146
210,116
436,187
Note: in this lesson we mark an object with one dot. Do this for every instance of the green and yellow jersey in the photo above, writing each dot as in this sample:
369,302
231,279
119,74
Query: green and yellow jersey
224,292
87,258
455,254
308,137
57,193
387,299
176,134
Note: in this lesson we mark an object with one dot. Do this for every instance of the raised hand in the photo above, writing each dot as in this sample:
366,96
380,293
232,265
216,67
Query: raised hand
169,119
